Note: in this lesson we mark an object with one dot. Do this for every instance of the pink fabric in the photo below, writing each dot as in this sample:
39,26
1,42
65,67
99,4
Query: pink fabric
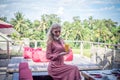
28,51
43,56
5,25
36,55
39,55
56,68
24,72
23,65
69,57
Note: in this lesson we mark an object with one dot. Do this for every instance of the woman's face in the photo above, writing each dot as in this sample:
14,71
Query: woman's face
56,32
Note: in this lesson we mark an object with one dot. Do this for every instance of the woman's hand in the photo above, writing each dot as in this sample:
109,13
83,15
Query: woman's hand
63,53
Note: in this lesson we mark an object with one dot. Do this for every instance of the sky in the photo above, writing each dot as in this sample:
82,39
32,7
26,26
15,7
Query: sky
65,9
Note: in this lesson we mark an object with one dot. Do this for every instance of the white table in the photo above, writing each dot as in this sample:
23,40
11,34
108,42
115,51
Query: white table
104,73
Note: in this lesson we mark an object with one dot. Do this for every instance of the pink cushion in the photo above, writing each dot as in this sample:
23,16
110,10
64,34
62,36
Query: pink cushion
25,74
23,65
39,55
36,55
69,57
24,71
43,56
28,51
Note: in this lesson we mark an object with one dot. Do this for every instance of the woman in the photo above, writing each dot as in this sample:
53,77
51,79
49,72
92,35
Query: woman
55,52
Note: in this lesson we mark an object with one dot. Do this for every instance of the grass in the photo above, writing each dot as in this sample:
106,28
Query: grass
86,52
76,51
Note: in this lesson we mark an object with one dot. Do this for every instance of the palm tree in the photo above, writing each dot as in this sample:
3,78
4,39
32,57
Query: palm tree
47,20
78,28
3,19
19,23
67,31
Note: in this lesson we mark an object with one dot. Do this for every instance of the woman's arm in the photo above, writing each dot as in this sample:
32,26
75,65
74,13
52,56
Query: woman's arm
49,53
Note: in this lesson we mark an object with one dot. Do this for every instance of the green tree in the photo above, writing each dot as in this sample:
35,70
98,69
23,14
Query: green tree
4,19
20,24
47,20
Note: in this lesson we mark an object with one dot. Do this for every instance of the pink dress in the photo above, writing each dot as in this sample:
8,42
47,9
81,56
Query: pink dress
56,68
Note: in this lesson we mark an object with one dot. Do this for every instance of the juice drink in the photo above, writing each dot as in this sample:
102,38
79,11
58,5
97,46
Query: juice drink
66,47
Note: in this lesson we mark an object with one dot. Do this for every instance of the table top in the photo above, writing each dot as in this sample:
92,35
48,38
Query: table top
99,75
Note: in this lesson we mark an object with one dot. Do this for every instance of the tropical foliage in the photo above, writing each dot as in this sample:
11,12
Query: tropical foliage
95,30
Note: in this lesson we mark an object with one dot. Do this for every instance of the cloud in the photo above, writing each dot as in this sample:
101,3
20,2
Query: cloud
105,1
118,9
60,11
35,7
3,5
88,10
45,10
65,9
98,2
107,8
66,1
71,3
88,15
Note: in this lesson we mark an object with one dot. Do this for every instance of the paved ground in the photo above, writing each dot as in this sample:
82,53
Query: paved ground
4,63
3,67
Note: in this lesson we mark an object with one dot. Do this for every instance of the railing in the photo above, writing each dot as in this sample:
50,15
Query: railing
73,44
97,51
6,48
81,45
